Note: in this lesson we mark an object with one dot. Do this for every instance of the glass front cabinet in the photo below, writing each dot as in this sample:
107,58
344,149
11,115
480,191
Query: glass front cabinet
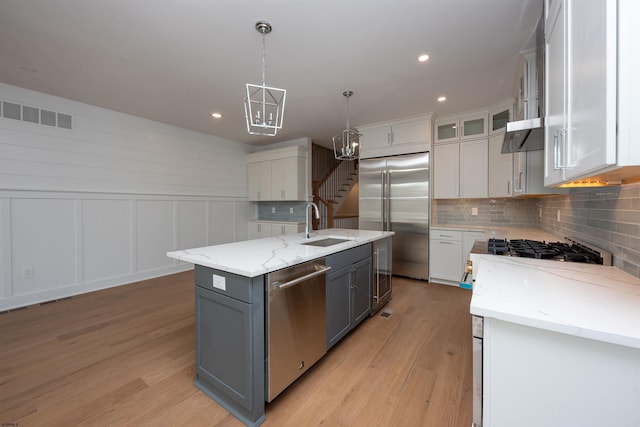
456,128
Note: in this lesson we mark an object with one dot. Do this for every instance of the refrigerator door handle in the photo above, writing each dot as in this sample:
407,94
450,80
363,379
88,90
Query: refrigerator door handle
383,199
388,202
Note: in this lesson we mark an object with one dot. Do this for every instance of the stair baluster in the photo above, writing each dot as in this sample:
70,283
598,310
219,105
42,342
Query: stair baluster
329,193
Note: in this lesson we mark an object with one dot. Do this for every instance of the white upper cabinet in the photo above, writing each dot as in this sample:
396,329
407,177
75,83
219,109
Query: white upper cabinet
447,130
460,170
405,136
375,138
514,174
527,93
528,175
446,171
278,174
455,128
474,168
555,76
592,88
474,126
460,161
499,116
259,180
500,168
288,179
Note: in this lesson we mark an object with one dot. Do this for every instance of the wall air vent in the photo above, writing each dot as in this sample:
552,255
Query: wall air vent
25,113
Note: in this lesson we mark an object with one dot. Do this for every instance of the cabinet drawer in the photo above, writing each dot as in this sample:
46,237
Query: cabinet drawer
232,285
350,256
446,235
445,260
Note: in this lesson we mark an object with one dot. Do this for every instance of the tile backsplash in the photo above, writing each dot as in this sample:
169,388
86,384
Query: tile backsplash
282,211
606,217
490,212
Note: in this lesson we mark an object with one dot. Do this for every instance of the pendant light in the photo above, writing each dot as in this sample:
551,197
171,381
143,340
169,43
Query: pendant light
264,105
345,144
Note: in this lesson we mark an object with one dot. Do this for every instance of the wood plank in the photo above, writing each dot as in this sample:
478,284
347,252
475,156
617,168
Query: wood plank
125,356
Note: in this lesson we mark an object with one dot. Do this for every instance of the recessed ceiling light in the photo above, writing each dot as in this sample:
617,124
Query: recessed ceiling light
423,57
442,98
216,115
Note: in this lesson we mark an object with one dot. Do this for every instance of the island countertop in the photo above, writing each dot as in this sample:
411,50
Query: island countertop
251,258
590,301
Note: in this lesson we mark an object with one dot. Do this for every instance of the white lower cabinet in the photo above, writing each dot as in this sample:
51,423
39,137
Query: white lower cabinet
468,240
260,229
536,377
448,252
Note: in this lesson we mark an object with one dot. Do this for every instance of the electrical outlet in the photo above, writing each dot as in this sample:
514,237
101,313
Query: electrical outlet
291,210
220,282
273,209
474,211
29,273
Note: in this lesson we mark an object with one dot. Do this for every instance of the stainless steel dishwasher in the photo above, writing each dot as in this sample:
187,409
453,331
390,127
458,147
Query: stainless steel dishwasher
296,322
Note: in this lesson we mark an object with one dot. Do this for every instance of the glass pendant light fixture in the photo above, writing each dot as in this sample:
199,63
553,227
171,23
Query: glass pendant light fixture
345,144
264,105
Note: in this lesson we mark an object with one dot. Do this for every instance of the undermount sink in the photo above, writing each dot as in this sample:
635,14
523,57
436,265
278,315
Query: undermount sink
329,241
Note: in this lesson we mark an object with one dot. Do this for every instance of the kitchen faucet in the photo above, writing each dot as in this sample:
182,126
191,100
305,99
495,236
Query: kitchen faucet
307,233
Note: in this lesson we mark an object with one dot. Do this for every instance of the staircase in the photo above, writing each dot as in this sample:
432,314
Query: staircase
329,194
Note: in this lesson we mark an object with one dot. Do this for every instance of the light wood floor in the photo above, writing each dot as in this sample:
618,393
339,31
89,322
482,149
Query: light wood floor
125,356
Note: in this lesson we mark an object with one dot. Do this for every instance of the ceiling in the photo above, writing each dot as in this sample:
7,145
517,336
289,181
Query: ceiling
177,61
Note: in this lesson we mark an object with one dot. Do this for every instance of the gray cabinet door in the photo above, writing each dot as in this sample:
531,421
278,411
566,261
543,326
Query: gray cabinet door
338,305
226,368
230,350
361,290
348,291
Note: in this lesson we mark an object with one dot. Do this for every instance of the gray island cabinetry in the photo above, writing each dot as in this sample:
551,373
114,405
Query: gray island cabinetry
230,338
232,307
348,291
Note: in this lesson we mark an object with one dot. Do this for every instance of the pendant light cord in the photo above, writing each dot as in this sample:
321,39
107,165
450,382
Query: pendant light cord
264,59
348,113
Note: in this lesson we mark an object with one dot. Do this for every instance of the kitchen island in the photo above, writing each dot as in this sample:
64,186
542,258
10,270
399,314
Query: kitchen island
233,296
561,343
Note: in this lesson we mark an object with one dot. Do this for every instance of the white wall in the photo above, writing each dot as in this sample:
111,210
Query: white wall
101,204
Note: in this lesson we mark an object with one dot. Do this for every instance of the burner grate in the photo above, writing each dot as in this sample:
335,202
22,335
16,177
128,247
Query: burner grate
558,251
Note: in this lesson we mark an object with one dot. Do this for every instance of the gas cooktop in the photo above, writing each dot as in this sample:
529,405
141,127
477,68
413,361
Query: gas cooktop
570,251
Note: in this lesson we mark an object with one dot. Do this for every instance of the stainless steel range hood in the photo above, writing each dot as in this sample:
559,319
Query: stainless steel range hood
528,134
524,135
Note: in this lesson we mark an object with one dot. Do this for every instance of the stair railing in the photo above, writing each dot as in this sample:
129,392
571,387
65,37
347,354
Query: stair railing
326,190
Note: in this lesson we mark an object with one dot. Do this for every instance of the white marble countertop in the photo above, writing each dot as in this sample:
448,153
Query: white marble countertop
590,301
251,258
274,221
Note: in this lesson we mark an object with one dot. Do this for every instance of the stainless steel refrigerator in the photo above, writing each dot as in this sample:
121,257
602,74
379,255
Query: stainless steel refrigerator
394,196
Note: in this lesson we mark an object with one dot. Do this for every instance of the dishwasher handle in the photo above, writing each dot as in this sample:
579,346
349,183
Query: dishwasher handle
301,279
